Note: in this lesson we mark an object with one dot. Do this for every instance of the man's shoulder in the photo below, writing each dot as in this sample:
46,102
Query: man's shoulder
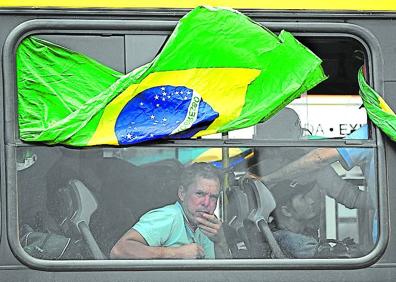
159,217
171,210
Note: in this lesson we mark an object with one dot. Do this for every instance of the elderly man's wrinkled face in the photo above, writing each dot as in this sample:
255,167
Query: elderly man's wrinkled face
200,197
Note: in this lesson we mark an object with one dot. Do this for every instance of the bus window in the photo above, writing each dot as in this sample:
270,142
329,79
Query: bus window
77,203
60,190
107,50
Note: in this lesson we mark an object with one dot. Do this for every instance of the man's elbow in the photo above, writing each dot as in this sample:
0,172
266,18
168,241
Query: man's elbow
117,251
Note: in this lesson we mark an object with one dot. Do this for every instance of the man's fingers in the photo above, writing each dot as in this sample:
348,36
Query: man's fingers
200,251
207,223
210,217
209,220
210,230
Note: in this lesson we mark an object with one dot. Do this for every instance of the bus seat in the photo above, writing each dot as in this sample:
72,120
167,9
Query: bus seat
261,205
128,191
32,187
235,231
76,206
244,210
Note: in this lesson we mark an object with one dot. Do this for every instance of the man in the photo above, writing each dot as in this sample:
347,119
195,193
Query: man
188,229
278,163
295,209
318,159
321,157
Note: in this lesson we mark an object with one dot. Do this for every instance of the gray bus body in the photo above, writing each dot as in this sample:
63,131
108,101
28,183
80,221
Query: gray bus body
126,39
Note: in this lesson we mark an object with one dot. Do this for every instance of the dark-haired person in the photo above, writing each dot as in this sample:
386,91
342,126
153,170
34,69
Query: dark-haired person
293,214
317,161
296,162
188,229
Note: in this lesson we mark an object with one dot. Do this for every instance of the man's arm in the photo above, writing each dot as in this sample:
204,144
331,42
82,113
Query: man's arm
314,160
132,245
211,226
341,190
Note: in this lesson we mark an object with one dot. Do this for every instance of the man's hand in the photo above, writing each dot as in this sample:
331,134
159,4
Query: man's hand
189,251
211,226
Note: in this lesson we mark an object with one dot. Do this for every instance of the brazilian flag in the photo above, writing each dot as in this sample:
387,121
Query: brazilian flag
218,71
377,109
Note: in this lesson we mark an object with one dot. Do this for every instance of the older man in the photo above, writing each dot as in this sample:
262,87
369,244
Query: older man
188,229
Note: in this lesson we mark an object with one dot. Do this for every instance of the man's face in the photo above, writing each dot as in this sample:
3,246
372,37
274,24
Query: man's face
304,207
200,197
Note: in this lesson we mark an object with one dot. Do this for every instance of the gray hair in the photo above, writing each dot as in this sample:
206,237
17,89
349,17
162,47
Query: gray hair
200,169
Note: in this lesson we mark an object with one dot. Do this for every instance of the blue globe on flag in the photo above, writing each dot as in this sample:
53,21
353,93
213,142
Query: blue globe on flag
162,111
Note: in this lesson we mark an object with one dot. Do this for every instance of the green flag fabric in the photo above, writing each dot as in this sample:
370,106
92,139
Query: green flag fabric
218,71
55,87
377,109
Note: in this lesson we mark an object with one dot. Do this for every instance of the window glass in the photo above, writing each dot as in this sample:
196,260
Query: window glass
82,204
320,211
314,121
333,109
108,50
310,117
332,116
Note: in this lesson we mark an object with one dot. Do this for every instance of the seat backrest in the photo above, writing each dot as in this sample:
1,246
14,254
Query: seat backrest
128,191
260,205
243,235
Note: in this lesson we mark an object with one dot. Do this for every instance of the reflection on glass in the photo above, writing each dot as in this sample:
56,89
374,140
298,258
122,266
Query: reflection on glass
323,209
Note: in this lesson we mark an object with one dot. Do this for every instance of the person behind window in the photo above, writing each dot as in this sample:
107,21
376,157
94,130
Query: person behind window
293,214
318,159
188,229
280,163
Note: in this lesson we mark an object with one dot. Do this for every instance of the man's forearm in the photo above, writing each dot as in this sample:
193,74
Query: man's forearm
314,160
136,250
352,197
